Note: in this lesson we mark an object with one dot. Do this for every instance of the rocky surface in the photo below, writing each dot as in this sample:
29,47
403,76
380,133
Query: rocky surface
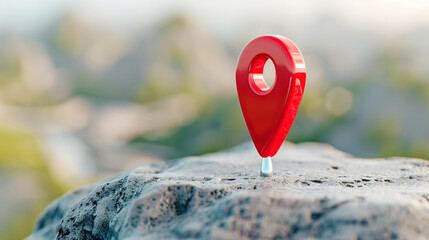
317,192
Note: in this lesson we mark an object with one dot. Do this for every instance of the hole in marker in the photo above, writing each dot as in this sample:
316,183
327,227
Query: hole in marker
269,73
262,75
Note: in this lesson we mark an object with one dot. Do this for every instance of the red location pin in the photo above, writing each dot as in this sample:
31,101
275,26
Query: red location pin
269,112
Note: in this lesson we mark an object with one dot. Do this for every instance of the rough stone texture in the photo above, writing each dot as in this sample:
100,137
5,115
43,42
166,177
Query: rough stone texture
317,192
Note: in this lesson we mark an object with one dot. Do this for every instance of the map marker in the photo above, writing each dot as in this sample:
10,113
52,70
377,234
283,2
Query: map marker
270,111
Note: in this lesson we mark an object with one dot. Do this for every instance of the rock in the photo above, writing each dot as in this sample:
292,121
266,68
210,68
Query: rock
317,192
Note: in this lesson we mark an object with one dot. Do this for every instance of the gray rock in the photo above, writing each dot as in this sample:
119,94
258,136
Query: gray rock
317,192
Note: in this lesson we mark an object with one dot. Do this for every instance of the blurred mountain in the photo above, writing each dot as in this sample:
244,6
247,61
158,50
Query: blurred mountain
172,58
159,92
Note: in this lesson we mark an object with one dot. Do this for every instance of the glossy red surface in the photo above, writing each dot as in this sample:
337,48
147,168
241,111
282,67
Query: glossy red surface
270,112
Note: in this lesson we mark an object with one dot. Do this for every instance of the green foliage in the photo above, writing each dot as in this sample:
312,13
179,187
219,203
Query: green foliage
219,126
21,154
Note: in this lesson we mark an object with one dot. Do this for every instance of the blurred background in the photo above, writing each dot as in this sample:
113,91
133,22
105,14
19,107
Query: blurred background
91,88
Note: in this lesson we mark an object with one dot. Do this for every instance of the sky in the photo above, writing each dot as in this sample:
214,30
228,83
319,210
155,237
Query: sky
27,17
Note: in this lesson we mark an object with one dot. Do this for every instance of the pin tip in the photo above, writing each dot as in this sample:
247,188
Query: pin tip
266,167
